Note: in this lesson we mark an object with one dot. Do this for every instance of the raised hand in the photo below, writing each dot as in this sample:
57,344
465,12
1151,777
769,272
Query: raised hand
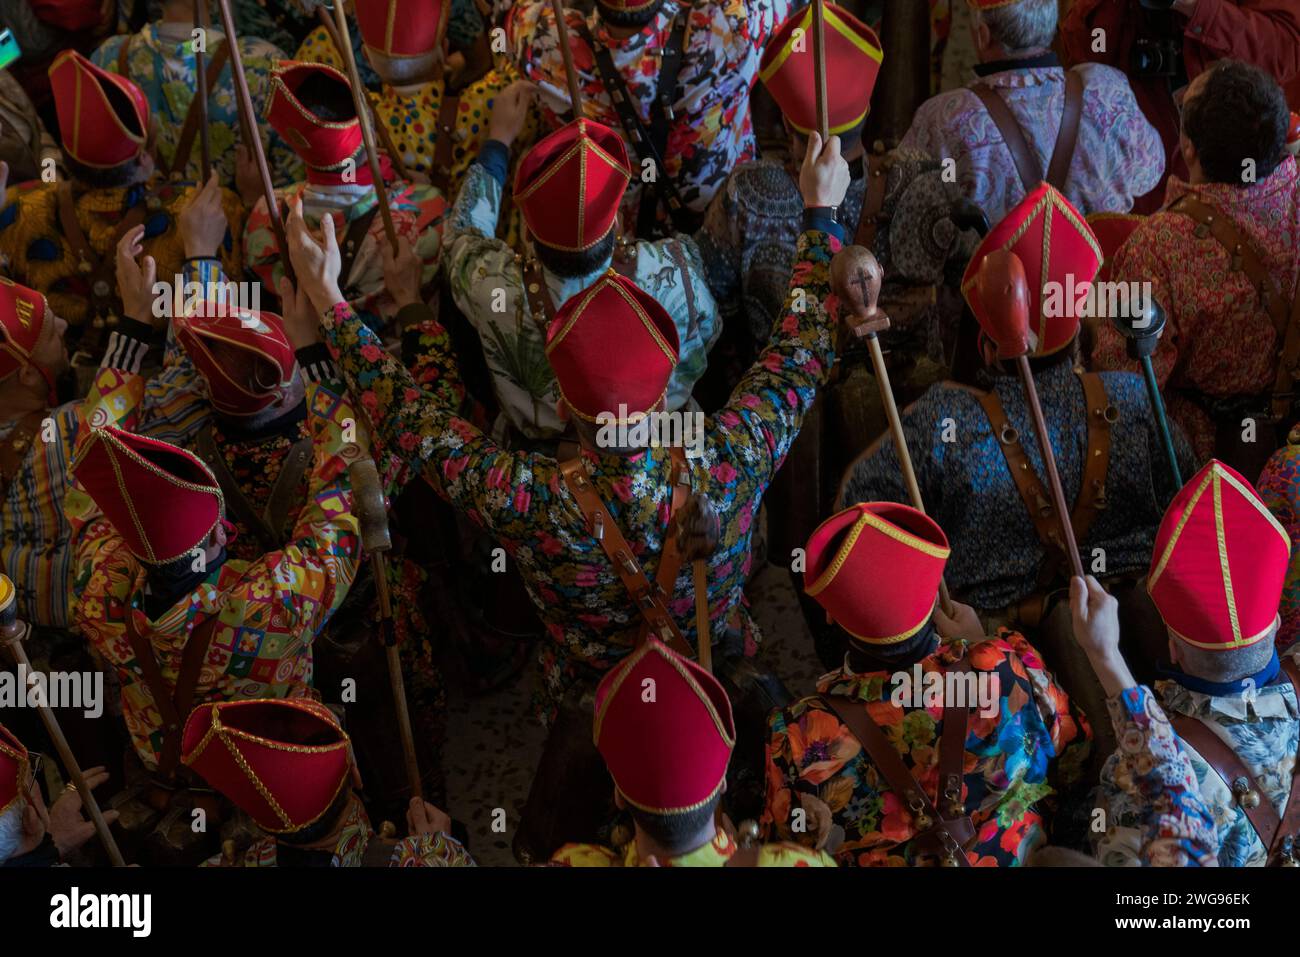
824,177
316,262
135,281
203,222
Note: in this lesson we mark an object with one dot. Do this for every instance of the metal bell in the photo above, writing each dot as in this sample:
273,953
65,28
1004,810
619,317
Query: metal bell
100,288
748,833
1246,796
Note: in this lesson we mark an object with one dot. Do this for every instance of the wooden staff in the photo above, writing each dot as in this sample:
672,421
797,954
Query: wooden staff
819,62
856,277
12,633
372,517
200,69
252,139
1001,280
698,531
571,74
362,103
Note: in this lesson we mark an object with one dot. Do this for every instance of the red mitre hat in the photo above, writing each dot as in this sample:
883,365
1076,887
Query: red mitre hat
1056,246
103,117
570,184
258,333
162,500
1219,562
626,6
13,767
22,317
1293,134
281,761
665,730
324,145
612,345
402,28
1112,231
876,568
853,58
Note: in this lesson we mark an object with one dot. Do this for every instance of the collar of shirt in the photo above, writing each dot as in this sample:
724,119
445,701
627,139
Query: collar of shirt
714,853
658,27
1220,688
1048,59
1235,200
877,685
350,199
1275,701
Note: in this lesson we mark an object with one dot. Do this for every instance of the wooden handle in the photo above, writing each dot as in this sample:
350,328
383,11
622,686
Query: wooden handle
566,51
819,63
369,505
201,78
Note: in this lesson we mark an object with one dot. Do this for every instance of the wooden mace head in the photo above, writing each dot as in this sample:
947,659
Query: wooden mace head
698,527
368,505
1004,295
9,624
856,278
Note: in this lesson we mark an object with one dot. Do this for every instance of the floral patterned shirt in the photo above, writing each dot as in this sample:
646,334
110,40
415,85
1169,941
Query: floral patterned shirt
712,131
1149,784
1263,731
269,610
715,853
1279,488
1218,341
480,267
1015,759
164,69
1119,155
521,499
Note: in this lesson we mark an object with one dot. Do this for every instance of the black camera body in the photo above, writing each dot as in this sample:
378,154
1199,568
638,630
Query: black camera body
1156,57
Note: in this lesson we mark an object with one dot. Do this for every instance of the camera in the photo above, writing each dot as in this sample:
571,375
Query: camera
1162,57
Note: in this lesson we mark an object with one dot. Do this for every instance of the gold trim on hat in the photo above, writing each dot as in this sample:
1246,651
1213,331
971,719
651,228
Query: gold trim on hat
867,517
80,71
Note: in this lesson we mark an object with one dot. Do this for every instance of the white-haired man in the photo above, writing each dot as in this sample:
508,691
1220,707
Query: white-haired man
1025,119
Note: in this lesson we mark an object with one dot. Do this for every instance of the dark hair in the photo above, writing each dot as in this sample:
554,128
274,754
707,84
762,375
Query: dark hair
849,139
675,831
628,19
1240,113
326,97
323,825
123,174
568,264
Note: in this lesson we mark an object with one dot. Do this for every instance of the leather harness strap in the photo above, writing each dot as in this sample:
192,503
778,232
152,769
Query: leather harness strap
190,129
1278,833
444,145
650,599
873,201
540,307
266,524
947,834
1246,258
1013,135
173,706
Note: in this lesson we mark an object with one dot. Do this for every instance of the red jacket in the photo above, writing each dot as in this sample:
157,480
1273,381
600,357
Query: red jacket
1263,32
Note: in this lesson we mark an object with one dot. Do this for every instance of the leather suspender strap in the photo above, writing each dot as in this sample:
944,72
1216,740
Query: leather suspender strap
745,857
873,201
285,492
1283,310
444,146
123,55
1058,167
206,445
1037,504
540,306
1092,492
650,599
1013,135
174,706
358,229
185,145
15,447
688,287
935,833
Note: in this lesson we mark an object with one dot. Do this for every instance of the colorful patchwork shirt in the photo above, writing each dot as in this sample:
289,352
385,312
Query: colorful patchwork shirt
712,130
487,283
164,69
418,211
1035,743
1218,341
34,251
715,853
1263,729
1151,785
521,499
967,486
269,610
1119,155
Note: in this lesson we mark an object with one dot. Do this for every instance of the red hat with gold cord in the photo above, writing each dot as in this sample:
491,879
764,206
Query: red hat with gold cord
665,729
402,28
1061,257
612,345
283,761
875,567
325,146
14,766
570,184
853,57
22,318
103,117
162,500
1219,561
205,332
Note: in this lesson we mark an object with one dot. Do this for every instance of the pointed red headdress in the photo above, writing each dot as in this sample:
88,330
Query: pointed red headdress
281,761
260,334
325,146
1219,562
665,729
570,184
22,317
402,28
103,117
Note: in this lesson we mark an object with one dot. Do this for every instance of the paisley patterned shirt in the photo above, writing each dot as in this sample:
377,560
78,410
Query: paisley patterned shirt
1036,742
968,489
520,498
1218,341
712,131
1263,732
715,853
1119,155
487,283
164,69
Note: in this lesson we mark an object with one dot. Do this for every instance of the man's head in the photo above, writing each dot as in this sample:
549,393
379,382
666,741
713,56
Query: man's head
404,38
103,121
1217,570
679,833
575,263
628,14
33,354
1003,29
1234,127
